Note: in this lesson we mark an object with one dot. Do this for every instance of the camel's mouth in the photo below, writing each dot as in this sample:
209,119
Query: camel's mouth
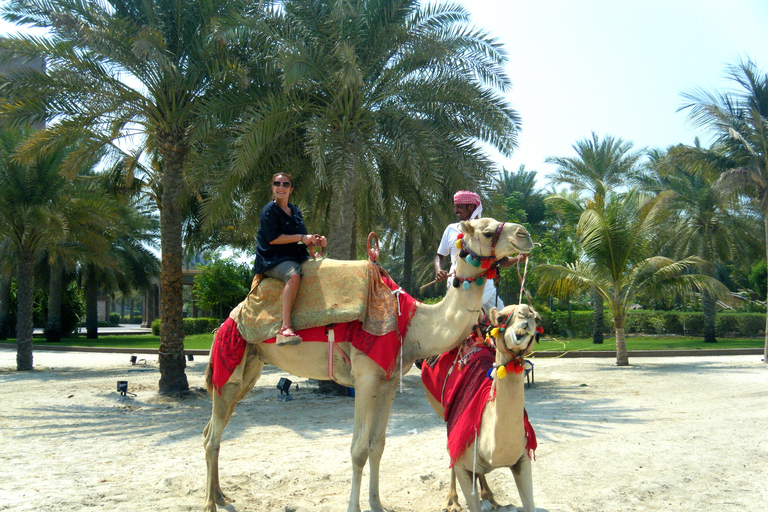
516,328
520,240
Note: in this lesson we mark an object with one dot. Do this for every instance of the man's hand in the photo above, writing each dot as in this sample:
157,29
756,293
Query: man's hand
509,261
440,274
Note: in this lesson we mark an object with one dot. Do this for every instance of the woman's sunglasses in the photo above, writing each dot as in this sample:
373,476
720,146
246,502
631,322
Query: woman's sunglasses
284,184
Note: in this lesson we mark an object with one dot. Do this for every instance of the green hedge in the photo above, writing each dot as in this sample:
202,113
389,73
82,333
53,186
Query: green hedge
655,322
192,326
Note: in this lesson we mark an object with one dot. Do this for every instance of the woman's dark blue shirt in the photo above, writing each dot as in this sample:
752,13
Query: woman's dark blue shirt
274,222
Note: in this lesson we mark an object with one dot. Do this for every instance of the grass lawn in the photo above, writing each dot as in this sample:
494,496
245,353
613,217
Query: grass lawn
203,342
647,343
192,342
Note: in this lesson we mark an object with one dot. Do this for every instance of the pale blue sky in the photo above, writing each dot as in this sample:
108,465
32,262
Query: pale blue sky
615,67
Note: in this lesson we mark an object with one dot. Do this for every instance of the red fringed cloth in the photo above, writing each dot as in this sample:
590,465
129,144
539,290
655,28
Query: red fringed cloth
226,353
229,346
467,390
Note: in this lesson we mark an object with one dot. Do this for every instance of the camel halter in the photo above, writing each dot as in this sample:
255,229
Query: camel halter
488,263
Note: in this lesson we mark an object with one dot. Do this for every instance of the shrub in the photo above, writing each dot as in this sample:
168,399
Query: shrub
579,323
750,324
114,318
192,326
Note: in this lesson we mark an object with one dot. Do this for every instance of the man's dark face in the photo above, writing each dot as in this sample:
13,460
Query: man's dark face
463,211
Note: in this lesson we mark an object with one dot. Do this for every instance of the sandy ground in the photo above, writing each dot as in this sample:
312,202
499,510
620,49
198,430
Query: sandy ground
682,434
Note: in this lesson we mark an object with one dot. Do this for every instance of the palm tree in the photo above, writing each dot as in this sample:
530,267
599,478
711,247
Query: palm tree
37,211
739,120
703,223
522,200
608,162
383,96
599,166
122,71
615,237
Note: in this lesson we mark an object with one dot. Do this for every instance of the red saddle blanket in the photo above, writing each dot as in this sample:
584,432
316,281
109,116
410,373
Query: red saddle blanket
229,345
463,388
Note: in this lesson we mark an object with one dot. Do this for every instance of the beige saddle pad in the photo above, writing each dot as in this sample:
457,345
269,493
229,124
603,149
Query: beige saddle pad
331,292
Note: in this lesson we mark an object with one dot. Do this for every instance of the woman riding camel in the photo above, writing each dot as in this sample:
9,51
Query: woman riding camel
281,247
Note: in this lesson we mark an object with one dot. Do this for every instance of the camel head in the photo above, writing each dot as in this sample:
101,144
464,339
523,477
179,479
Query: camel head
514,329
488,237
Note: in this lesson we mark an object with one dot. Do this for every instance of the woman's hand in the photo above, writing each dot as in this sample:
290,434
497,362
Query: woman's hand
318,240
311,240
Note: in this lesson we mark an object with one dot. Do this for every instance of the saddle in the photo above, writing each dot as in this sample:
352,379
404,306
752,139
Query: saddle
331,292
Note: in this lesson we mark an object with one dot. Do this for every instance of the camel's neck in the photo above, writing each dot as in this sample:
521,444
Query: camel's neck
440,327
506,414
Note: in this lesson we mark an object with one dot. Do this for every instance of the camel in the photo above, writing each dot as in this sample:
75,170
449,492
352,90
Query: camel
433,329
501,439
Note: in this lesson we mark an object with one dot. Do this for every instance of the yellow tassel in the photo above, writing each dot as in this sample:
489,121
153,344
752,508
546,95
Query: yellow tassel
501,372
458,244
495,332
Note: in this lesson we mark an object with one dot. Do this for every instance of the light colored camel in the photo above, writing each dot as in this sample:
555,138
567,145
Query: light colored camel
434,329
501,440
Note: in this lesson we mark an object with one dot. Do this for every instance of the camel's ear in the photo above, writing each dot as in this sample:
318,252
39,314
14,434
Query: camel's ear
466,227
493,316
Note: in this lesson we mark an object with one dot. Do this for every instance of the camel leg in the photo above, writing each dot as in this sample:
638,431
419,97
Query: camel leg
223,407
452,499
464,476
524,481
373,402
486,493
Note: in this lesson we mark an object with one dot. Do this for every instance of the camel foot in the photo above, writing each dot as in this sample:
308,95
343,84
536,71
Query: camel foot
452,505
221,498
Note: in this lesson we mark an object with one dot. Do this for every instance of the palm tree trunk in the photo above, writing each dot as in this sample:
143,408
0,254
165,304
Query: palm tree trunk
24,297
55,292
622,358
710,311
341,229
408,259
91,304
597,327
5,306
173,379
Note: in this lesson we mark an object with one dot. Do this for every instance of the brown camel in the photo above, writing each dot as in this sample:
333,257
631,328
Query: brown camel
501,440
434,329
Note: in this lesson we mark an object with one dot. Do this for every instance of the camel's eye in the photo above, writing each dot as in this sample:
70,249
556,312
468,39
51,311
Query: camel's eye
488,233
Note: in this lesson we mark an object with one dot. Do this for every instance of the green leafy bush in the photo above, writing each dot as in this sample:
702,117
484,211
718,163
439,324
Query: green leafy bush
192,326
579,323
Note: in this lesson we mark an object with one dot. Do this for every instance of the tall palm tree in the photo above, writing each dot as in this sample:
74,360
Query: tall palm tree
383,96
608,162
615,238
739,120
119,71
37,211
599,166
91,218
704,223
522,199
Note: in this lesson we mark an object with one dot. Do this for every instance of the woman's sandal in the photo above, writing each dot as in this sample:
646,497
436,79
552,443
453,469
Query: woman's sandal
287,339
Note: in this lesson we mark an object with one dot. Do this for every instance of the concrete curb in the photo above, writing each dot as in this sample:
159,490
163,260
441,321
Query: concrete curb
542,354
105,350
653,353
